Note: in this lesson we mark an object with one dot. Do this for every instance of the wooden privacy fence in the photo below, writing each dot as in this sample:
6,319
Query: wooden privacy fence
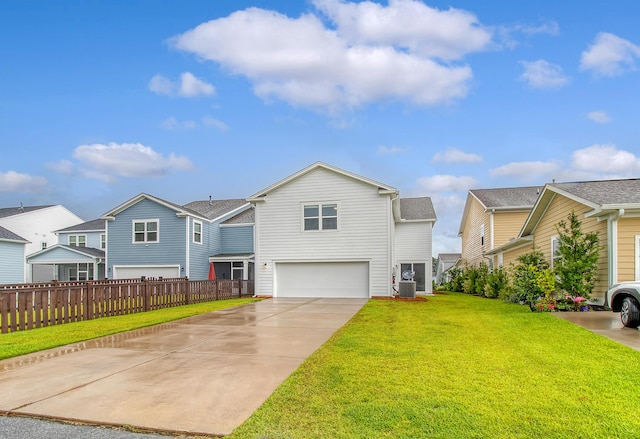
28,306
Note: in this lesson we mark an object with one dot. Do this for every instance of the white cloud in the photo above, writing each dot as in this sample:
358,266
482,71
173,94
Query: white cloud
529,171
188,86
170,123
62,167
606,159
302,62
12,181
548,27
599,116
543,74
610,55
453,155
447,183
209,121
108,162
391,150
446,34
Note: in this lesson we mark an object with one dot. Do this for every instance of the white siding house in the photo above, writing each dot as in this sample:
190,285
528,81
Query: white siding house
326,232
37,225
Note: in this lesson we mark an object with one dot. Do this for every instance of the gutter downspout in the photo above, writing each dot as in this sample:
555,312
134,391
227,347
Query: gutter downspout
391,242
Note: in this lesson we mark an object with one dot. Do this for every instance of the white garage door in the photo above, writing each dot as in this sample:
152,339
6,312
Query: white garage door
136,271
322,279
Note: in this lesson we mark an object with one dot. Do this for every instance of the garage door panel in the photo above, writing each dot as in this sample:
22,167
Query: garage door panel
323,279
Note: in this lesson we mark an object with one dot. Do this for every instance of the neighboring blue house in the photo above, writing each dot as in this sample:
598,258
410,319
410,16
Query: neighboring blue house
12,249
79,254
149,236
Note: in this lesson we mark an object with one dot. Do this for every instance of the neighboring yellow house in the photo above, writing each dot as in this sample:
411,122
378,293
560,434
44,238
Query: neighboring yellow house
490,219
609,207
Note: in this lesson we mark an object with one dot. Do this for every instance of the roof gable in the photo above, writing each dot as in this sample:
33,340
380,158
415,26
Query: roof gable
500,200
603,196
417,209
88,252
383,188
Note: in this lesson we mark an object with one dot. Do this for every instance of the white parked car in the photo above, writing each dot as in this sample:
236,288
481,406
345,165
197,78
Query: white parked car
625,299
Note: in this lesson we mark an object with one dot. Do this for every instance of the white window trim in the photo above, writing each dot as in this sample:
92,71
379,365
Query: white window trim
77,239
103,240
320,204
145,221
482,235
193,232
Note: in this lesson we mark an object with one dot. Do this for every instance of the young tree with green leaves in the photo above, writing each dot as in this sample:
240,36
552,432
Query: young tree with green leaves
577,266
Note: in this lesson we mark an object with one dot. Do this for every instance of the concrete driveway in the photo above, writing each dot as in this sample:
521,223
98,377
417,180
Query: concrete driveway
201,375
605,323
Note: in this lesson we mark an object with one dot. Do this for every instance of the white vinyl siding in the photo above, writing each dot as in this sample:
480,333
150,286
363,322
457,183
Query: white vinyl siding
364,228
413,245
37,227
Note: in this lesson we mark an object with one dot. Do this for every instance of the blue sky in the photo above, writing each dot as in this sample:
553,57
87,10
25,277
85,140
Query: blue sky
102,100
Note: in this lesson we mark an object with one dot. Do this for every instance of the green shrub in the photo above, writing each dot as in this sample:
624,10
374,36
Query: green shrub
496,284
456,281
530,278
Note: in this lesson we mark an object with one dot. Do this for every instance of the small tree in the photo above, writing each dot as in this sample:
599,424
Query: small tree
577,268
529,277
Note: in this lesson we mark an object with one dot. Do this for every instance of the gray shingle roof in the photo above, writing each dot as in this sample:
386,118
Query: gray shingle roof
96,224
6,234
212,209
246,217
605,191
503,198
89,251
417,209
11,211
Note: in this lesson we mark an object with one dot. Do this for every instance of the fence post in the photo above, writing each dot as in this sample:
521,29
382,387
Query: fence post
186,290
145,293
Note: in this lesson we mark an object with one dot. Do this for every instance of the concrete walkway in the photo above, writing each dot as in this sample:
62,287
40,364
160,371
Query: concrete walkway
201,375
605,323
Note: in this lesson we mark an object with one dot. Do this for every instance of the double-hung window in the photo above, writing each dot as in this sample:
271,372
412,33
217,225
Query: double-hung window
320,216
197,232
78,240
146,230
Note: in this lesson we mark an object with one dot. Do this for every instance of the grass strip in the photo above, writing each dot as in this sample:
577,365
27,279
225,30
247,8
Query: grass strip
456,366
25,342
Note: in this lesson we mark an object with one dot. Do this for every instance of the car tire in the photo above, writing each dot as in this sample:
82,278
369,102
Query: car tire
630,313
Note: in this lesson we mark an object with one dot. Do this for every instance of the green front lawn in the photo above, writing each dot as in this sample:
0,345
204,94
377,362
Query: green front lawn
34,340
457,366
